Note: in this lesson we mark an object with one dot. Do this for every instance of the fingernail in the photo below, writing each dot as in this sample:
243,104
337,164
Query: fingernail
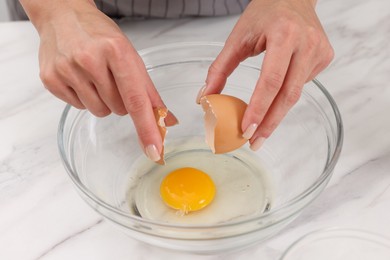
250,130
200,94
152,153
257,143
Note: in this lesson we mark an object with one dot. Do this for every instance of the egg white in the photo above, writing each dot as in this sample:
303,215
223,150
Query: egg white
242,186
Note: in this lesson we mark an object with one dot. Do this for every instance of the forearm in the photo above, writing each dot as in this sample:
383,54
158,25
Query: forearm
312,2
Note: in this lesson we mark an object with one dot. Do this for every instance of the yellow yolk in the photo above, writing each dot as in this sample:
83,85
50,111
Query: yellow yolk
187,189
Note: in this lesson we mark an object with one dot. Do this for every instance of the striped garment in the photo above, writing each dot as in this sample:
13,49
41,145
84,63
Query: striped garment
153,8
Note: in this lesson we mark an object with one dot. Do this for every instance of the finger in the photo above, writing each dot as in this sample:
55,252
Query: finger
101,77
314,73
275,65
132,80
109,93
288,95
89,96
73,99
68,95
225,63
84,89
320,66
59,89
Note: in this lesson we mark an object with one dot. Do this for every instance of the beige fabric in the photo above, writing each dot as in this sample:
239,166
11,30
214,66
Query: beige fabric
153,8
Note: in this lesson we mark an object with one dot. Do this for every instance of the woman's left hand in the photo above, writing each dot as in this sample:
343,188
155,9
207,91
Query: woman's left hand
297,49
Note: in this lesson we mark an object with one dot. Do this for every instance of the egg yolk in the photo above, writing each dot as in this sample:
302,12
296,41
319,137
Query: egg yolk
187,189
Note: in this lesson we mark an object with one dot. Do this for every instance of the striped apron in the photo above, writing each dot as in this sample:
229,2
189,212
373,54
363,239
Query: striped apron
153,8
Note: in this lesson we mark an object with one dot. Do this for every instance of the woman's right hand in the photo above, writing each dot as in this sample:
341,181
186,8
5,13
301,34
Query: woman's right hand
87,61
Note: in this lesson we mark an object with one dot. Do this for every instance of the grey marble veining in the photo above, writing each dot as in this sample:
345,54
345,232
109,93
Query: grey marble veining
42,216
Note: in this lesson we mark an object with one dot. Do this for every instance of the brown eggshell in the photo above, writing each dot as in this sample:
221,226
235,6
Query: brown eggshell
160,114
223,117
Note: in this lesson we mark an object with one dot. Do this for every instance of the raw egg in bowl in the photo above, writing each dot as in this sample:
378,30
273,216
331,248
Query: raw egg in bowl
199,198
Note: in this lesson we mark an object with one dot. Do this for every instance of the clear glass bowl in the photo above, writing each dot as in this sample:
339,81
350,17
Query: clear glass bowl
109,170
340,244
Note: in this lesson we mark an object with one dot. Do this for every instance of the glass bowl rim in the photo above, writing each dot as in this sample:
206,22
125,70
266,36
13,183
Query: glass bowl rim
325,175
337,232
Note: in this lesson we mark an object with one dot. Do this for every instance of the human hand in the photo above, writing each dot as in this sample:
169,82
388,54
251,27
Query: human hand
88,62
297,49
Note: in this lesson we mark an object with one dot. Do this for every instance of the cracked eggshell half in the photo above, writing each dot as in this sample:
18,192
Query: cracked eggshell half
223,117
160,114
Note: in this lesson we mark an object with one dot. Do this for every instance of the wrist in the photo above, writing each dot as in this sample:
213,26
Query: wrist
40,12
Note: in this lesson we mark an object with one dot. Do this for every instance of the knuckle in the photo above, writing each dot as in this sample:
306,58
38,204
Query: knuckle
215,70
100,111
135,103
116,46
99,82
121,112
76,104
83,58
287,28
329,55
47,78
327,58
245,46
63,65
50,82
118,108
292,95
273,81
314,35
212,68
81,89
314,39
74,101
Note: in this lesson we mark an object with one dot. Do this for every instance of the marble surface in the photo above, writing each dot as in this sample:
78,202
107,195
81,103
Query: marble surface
42,216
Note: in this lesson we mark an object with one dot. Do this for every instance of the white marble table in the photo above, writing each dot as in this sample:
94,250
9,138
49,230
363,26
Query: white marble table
42,217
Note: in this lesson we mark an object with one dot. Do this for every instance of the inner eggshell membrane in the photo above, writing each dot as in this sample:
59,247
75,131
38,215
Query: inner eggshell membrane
160,114
223,117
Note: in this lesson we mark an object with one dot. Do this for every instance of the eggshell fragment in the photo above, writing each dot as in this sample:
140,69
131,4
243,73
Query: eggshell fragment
223,117
160,114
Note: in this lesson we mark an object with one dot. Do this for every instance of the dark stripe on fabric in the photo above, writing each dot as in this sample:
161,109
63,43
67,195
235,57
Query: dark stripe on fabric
166,8
21,12
183,8
150,8
227,7
102,5
116,8
240,4
16,9
155,8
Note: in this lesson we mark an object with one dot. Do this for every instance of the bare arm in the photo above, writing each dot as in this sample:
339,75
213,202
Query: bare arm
88,62
297,49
